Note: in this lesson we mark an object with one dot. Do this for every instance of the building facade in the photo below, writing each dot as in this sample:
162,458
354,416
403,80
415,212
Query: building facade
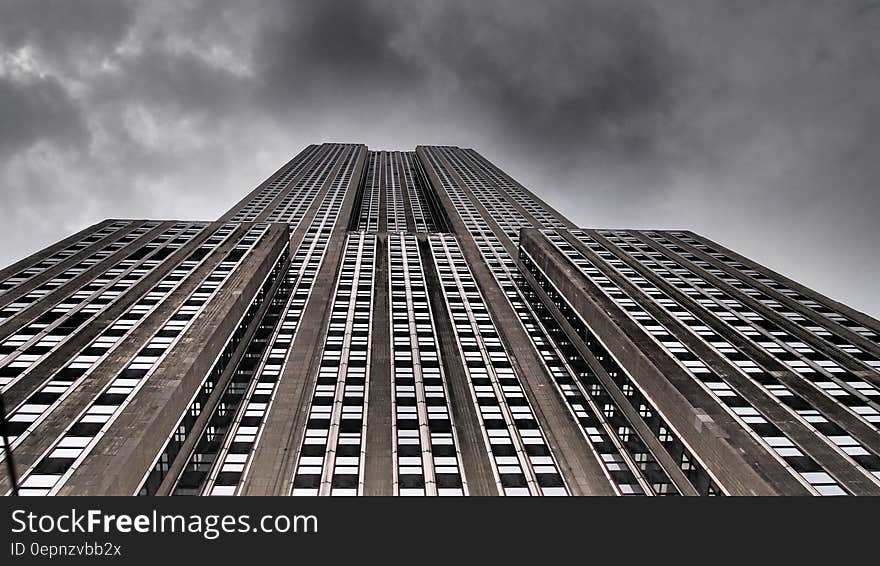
418,323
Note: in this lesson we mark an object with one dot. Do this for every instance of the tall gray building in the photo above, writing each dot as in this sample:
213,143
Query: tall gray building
418,323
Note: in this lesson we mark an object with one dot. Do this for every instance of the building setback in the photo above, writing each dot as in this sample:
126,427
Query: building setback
418,323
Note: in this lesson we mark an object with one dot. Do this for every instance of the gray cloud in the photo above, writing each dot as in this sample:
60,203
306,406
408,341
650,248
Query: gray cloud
755,123
64,30
34,110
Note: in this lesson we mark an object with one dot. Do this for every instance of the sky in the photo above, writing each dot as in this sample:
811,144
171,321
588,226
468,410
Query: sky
754,123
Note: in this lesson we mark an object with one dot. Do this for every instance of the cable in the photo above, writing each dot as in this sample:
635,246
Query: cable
10,464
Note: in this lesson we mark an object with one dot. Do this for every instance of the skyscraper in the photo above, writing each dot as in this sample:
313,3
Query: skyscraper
418,323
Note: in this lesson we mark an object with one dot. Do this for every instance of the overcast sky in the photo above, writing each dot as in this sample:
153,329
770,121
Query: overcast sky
755,123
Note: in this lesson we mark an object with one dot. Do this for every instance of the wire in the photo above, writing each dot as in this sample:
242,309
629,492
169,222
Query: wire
10,464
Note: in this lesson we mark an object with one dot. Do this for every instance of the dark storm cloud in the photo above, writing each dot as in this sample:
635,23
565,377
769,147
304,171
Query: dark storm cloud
34,110
753,122
64,29
569,73
335,44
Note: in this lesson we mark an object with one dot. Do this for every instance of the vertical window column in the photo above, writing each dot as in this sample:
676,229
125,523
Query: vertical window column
331,456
